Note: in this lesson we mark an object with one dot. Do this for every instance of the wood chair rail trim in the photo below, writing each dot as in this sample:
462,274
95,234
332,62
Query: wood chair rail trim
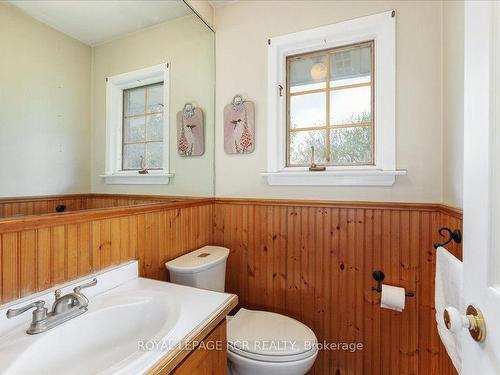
30,222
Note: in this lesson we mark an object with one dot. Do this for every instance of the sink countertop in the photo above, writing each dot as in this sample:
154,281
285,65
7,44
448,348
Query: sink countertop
137,326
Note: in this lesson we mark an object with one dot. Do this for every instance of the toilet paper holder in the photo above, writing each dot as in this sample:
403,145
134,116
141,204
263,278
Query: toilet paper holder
379,278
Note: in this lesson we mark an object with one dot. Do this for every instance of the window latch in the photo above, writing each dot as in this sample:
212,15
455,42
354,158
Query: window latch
280,90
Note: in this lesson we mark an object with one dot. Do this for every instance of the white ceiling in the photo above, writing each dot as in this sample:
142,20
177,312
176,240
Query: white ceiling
97,21
220,3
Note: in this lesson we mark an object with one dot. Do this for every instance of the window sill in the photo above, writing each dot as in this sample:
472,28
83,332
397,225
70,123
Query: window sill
362,177
131,178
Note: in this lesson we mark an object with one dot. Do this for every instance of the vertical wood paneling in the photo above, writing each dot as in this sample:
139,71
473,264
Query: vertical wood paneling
95,236
141,244
84,249
34,260
10,267
315,264
27,263
43,264
116,246
36,206
58,254
94,202
11,207
105,243
72,242
148,244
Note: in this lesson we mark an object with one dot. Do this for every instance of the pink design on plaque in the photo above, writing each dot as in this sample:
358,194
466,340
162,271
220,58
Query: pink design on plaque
184,148
239,128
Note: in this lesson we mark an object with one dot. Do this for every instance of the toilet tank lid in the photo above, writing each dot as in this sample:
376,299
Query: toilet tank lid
198,260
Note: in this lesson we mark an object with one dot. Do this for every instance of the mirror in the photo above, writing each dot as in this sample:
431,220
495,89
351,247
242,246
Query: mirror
106,97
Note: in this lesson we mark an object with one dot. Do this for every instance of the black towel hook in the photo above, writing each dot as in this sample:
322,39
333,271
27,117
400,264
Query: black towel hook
455,235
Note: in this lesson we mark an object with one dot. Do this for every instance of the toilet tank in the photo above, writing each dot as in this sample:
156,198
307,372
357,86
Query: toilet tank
203,268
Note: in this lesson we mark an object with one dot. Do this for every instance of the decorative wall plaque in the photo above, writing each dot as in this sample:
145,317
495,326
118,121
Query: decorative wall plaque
190,131
239,126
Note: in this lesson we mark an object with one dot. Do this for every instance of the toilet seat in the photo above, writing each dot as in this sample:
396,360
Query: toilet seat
269,337
272,358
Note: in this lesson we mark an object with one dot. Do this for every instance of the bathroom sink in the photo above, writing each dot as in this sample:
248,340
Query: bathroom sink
103,337
126,329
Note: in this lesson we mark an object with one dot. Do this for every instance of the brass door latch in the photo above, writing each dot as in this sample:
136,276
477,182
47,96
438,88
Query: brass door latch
473,321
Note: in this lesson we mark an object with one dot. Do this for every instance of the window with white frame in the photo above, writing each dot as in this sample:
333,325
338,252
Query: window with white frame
142,141
332,93
137,127
329,100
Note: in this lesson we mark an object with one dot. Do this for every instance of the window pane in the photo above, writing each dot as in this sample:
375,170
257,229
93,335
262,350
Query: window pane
351,146
308,110
350,101
132,156
155,98
155,127
350,64
135,101
350,106
300,147
134,129
307,73
154,155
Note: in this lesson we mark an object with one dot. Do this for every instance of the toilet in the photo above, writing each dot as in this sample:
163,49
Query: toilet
259,342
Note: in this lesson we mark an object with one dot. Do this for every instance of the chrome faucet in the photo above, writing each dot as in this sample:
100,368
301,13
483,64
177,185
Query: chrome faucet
64,308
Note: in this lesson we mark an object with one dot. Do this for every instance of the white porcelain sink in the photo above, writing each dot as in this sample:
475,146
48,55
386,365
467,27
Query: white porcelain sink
108,337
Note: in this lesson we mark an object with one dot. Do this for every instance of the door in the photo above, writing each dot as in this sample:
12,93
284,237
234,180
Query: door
482,182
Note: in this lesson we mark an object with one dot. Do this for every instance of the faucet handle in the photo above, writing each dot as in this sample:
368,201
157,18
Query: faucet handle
15,312
79,288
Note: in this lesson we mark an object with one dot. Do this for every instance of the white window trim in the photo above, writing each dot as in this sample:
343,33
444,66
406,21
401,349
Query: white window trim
114,129
382,29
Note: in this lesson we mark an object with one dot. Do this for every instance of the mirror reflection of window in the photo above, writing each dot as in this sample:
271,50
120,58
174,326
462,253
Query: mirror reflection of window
143,127
330,104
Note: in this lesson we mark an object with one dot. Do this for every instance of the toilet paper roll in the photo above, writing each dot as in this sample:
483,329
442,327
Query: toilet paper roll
392,297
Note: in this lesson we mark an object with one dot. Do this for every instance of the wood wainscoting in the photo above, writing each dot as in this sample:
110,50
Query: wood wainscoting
314,261
18,206
94,200
38,252
311,260
21,206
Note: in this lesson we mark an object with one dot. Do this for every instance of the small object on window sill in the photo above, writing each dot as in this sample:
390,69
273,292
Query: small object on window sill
314,167
144,169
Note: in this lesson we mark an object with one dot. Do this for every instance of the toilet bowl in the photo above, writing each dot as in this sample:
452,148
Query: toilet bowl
259,342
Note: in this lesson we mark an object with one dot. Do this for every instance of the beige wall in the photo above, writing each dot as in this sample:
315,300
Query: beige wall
50,74
204,9
187,44
242,30
453,101
44,108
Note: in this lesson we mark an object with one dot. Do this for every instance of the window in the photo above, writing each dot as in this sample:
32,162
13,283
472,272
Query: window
330,106
137,127
333,89
143,127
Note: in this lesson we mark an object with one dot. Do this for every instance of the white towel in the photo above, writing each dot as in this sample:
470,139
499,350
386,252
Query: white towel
448,292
